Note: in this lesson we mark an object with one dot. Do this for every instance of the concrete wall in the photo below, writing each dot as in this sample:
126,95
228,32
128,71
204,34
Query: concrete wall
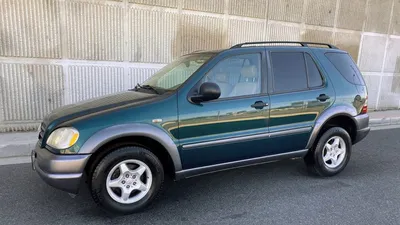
57,52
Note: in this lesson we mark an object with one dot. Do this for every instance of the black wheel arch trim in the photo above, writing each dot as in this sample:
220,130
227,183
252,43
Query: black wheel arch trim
104,136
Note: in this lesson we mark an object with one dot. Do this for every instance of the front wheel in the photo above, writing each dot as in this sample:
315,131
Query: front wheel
331,154
127,180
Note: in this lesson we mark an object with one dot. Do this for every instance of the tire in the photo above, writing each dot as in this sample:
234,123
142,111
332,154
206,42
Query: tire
328,161
110,178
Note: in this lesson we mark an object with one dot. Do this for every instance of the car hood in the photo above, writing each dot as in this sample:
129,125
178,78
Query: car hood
97,105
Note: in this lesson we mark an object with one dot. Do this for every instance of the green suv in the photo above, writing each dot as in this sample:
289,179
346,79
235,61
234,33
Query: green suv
208,111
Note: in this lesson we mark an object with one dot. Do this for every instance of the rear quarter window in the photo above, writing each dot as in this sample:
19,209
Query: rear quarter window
346,66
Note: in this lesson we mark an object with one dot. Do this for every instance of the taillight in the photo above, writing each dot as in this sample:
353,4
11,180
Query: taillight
364,109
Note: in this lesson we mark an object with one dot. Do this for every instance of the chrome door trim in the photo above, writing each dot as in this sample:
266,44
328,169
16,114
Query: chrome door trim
237,164
247,138
290,132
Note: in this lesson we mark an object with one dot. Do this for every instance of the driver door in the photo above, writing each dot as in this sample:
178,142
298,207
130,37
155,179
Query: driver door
234,126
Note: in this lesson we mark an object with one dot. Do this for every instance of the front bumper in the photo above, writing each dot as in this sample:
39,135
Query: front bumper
362,122
63,172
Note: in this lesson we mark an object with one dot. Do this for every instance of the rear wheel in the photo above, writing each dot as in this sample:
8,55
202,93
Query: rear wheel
127,180
331,154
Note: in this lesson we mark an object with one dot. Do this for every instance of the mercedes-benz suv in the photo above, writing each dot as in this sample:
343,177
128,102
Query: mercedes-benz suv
208,111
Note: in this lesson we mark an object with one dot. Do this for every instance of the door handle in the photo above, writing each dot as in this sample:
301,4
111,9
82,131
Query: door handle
323,97
259,104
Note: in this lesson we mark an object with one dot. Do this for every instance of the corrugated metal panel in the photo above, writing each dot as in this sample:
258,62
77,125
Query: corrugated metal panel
30,91
168,3
317,36
395,29
1,97
378,16
250,8
242,31
30,28
372,52
278,32
201,33
93,81
139,75
19,126
392,63
285,10
153,35
390,92
94,31
321,13
351,14
349,42
373,88
216,6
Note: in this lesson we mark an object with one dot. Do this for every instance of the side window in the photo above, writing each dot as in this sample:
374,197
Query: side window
289,71
314,77
238,75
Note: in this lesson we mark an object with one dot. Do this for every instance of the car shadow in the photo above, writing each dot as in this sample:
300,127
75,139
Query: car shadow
274,180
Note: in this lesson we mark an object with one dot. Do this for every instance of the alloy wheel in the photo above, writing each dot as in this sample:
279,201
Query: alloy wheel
334,152
129,181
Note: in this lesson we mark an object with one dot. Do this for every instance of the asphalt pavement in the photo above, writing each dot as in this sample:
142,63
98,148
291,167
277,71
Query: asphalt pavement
366,192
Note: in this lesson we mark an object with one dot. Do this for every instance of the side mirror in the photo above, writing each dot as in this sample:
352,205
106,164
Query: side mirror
208,91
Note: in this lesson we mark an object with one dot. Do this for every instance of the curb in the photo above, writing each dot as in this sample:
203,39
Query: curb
384,121
16,150
17,144
20,144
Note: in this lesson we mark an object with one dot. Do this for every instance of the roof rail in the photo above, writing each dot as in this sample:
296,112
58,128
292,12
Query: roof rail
304,44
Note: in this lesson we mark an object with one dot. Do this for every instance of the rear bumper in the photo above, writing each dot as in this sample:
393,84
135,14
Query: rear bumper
63,172
362,122
361,134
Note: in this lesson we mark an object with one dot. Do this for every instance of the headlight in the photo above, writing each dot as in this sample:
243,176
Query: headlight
63,138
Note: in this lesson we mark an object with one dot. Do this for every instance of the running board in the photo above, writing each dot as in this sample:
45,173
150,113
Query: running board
237,164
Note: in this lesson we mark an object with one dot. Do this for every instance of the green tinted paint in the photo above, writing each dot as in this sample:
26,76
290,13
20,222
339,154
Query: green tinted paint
187,123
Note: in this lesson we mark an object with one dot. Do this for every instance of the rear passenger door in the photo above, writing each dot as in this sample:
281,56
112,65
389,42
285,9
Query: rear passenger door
299,92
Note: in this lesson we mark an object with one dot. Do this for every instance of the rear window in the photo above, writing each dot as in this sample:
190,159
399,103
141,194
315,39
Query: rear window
346,66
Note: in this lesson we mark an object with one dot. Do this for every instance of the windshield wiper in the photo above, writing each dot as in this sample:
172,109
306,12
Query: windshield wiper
147,87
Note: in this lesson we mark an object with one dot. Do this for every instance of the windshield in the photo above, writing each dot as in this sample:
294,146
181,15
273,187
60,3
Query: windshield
174,74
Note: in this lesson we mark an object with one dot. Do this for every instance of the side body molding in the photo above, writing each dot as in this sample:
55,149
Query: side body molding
134,129
333,111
